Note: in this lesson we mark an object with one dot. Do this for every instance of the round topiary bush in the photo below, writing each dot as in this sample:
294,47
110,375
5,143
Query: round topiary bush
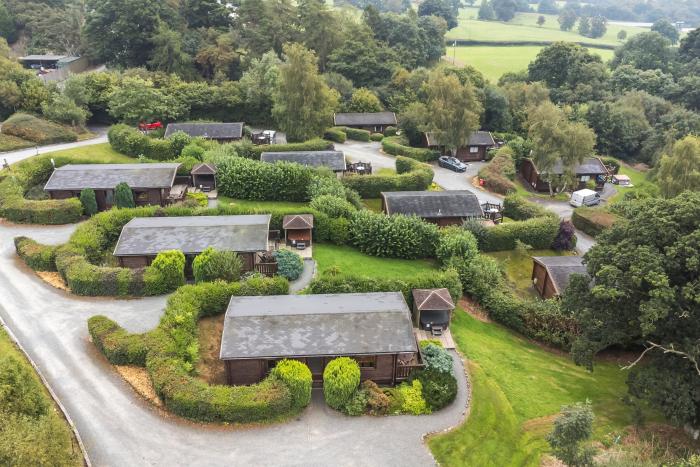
340,380
376,136
211,265
297,376
289,264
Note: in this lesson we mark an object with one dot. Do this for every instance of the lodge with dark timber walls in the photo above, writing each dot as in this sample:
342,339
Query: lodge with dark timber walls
476,148
221,132
591,169
443,208
551,274
375,122
372,328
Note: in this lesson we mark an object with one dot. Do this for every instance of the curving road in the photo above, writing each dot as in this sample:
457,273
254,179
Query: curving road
118,428
15,156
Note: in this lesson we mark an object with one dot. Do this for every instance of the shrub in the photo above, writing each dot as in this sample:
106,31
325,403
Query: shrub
130,141
479,276
411,176
439,389
87,199
297,377
498,175
395,236
120,347
166,273
539,233
411,396
340,379
593,220
458,242
193,151
339,231
566,237
37,130
15,208
211,265
377,401
437,358
123,196
356,134
357,404
376,136
398,146
390,131
247,179
289,264
20,392
520,209
335,134
251,151
334,206
37,256
478,229
197,199
426,342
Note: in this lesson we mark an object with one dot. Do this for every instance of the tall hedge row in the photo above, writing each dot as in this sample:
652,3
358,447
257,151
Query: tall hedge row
538,232
251,151
37,256
396,236
411,176
519,209
398,146
499,174
593,221
132,142
170,352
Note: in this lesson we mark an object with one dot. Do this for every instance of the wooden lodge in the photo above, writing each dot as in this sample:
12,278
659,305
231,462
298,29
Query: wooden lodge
376,122
591,168
150,183
432,309
476,148
204,176
221,132
373,328
298,230
551,274
143,238
333,160
439,207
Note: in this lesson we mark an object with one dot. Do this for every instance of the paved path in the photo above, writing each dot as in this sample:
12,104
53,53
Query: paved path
118,428
307,275
15,156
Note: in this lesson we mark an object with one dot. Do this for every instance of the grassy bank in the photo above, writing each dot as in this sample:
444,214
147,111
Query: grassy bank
518,268
103,151
350,261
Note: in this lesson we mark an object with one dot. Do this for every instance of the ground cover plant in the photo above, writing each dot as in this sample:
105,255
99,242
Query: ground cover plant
13,143
37,130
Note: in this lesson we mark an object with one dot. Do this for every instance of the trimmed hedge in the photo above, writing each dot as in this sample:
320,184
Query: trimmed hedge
390,131
498,175
297,376
539,233
166,273
411,176
251,151
341,378
520,209
376,137
593,220
132,142
37,256
439,389
355,134
170,351
37,130
395,236
336,135
398,146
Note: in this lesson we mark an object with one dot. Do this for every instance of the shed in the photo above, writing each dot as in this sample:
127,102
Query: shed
551,274
150,183
373,328
334,160
592,168
622,180
204,176
142,238
476,148
298,230
222,132
432,309
375,122
439,207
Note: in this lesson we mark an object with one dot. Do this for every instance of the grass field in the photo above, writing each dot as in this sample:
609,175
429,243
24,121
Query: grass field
103,152
518,268
350,261
494,61
517,390
244,203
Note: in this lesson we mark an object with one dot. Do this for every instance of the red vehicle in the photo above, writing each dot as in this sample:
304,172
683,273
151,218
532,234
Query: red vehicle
143,126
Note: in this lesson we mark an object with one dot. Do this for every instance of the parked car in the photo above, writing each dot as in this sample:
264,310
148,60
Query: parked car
584,197
452,163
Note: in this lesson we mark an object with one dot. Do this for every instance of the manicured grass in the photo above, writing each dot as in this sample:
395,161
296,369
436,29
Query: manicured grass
103,152
494,61
518,388
521,190
373,204
350,261
518,268
13,143
225,200
639,179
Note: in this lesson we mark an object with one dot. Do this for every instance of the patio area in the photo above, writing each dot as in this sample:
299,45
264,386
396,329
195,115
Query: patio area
445,339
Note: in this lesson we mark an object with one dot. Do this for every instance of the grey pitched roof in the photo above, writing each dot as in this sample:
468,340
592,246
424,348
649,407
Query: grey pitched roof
108,176
334,160
43,57
298,221
433,299
590,166
146,236
207,130
433,204
203,168
560,269
308,325
364,118
477,138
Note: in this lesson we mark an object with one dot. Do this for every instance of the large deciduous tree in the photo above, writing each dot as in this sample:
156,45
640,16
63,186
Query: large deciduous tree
167,54
138,100
258,84
303,102
442,8
666,29
320,29
364,100
644,290
646,51
504,9
567,19
690,45
680,170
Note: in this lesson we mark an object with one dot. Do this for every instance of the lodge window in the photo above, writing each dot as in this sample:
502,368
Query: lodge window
473,149
368,361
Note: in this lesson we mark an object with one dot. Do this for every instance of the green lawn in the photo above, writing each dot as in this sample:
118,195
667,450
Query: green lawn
494,61
518,268
523,27
103,151
638,178
373,204
225,200
351,261
517,389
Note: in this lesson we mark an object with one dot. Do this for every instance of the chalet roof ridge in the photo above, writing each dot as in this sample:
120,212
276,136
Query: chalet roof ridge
434,293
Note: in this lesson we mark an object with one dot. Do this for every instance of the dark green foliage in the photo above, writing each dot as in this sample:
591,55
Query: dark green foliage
356,134
130,141
645,51
398,146
333,206
666,29
339,231
437,358
593,221
376,136
337,135
390,131
357,404
297,376
498,175
166,273
211,265
120,347
395,236
123,196
439,388
289,264
250,151
520,209
566,238
572,428
87,199
248,179
20,392
538,232
37,130
14,207
441,8
340,379
411,176
37,256
456,242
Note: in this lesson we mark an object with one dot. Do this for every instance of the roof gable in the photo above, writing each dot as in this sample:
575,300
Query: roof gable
433,299
433,204
298,221
560,269
204,168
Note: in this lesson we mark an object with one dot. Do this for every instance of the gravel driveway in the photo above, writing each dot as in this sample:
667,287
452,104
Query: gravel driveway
118,428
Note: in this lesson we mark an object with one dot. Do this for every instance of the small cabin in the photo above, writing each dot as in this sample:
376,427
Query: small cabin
151,184
591,168
298,230
443,208
221,132
476,148
551,274
376,122
372,328
204,176
333,160
432,309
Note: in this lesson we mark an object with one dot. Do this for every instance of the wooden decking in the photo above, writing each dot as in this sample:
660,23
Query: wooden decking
306,253
445,339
